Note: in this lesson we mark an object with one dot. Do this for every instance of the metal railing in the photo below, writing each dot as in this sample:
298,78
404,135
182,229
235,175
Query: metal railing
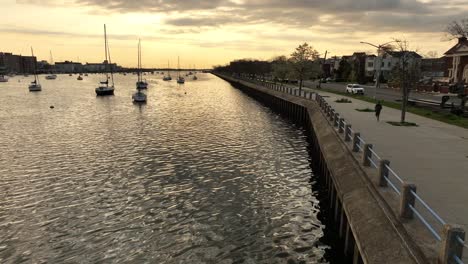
372,160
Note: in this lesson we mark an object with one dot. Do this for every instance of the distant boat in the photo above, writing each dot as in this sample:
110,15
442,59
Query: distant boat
51,76
35,86
168,76
3,78
140,83
104,87
79,78
195,77
180,79
85,74
139,96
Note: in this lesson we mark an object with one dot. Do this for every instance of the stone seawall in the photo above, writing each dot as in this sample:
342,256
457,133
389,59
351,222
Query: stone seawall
368,229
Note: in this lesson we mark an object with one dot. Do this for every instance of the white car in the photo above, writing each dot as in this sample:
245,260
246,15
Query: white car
354,89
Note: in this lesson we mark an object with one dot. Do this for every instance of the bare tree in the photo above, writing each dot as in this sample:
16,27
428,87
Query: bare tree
457,29
406,73
432,54
302,61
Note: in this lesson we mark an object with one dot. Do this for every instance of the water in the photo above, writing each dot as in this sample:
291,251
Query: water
200,174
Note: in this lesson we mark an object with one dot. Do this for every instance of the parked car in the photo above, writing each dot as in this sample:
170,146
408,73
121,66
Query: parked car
354,89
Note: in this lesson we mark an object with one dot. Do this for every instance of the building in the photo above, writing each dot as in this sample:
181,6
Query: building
101,67
68,67
456,59
433,68
17,63
387,62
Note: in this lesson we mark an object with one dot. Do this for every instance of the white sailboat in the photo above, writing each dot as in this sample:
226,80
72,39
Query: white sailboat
51,76
139,96
180,79
104,87
168,77
140,83
35,86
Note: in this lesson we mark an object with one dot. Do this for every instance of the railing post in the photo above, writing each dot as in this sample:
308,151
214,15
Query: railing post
356,142
450,246
383,172
310,95
337,117
341,125
347,132
407,199
366,155
332,114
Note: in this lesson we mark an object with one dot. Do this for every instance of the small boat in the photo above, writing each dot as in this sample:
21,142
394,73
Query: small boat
195,77
104,87
35,86
139,97
79,78
180,79
85,74
3,78
70,74
51,77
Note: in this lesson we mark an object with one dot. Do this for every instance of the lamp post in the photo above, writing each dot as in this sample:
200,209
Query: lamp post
322,69
379,51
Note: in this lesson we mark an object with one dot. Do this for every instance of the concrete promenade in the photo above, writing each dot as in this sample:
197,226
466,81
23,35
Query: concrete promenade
433,155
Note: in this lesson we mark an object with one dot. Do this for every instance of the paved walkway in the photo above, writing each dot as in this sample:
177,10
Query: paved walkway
433,155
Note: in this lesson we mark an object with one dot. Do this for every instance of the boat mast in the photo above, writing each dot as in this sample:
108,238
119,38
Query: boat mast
178,67
139,60
110,61
105,52
36,80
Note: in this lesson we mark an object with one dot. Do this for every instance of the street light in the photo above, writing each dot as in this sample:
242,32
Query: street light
322,69
379,48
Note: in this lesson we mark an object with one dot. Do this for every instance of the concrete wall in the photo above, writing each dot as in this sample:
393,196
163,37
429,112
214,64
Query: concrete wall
368,229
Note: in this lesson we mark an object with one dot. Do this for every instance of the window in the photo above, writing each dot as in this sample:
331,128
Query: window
370,64
389,64
383,64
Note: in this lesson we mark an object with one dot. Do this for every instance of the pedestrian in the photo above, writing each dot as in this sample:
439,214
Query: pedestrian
378,109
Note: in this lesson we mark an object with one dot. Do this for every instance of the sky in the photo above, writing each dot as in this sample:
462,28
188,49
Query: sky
204,33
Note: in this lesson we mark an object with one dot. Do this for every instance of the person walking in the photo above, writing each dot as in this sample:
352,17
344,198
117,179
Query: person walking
378,109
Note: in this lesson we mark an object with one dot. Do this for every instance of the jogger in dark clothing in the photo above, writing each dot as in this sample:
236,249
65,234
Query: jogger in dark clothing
378,109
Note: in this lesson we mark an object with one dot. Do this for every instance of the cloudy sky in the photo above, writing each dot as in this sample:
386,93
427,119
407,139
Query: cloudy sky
211,32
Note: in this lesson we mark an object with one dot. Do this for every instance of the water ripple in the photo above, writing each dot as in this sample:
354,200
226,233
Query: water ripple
200,174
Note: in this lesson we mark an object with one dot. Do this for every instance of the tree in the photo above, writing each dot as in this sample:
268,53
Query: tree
457,29
343,72
302,62
281,68
432,54
406,73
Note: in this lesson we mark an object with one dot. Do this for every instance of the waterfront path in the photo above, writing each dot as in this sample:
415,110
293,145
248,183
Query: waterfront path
433,155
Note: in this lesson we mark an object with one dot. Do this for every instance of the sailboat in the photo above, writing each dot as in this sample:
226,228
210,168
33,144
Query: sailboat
168,77
180,79
51,76
140,83
104,87
79,78
35,86
195,74
139,96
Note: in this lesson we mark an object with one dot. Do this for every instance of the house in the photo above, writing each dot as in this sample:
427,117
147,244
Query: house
387,61
457,61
